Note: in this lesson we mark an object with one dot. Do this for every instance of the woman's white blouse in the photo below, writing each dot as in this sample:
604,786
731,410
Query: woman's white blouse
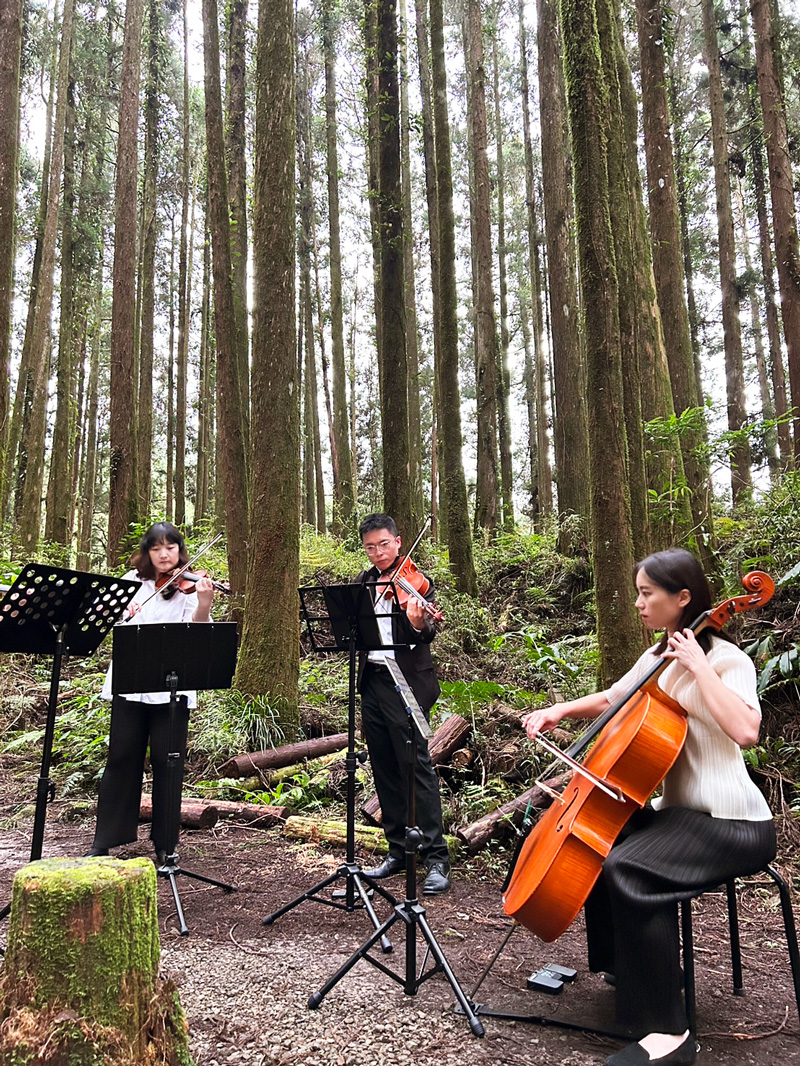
710,773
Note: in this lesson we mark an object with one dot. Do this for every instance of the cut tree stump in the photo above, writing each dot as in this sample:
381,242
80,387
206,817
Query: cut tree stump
80,976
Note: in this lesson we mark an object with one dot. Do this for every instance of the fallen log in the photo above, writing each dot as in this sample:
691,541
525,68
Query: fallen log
244,765
198,814
80,975
449,737
255,814
479,833
334,831
195,814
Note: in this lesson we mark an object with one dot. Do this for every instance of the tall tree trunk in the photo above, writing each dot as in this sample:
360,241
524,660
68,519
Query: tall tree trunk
229,393
10,52
343,502
741,482
671,517
123,494
169,504
784,217
152,118
317,479
668,262
569,371
409,275
314,494
33,423
236,144
394,364
178,420
182,370
682,165
431,196
777,373
618,628
765,393
205,391
529,384
622,190
486,483
20,423
458,532
87,494
269,660
503,374
543,476
58,511
372,161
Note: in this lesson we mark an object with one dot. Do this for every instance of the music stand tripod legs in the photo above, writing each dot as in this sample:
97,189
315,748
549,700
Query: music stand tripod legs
410,912
350,870
168,861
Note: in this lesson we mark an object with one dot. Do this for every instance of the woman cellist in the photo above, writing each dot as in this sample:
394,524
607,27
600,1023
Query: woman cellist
710,824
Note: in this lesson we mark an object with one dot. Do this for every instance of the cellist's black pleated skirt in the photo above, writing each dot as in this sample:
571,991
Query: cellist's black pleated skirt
661,858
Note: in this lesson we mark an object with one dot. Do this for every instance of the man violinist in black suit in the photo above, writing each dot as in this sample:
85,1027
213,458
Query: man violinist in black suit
385,720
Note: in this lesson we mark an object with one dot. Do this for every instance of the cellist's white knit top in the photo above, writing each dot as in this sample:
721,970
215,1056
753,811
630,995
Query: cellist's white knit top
710,773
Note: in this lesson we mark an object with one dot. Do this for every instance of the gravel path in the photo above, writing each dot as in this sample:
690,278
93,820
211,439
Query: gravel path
247,1007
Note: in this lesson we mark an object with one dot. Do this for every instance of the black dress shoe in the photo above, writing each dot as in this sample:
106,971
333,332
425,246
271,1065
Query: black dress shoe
95,853
635,1055
438,879
390,866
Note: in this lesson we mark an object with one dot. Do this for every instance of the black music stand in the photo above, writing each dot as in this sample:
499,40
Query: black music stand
410,911
168,657
52,611
342,618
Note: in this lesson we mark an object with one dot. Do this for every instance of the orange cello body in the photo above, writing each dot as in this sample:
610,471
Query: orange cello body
561,858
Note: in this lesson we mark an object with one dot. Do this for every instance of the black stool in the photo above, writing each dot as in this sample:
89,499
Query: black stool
736,954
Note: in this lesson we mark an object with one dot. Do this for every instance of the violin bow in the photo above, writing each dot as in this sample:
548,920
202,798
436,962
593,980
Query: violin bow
182,570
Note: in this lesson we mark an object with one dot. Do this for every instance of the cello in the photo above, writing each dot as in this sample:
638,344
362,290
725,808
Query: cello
638,739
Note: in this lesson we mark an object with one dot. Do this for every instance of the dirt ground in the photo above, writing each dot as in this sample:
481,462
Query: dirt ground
245,987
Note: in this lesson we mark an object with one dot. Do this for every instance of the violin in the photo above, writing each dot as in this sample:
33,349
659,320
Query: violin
640,737
185,581
409,583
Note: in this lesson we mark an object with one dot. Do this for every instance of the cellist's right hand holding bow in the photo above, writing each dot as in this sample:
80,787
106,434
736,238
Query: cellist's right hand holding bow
544,719
583,707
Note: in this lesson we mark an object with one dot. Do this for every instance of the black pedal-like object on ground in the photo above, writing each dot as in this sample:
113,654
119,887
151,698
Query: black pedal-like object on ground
551,978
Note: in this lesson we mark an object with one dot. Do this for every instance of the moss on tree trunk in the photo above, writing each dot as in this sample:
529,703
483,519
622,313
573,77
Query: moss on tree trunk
81,968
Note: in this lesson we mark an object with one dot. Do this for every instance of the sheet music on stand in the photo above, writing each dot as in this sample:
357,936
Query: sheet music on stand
408,698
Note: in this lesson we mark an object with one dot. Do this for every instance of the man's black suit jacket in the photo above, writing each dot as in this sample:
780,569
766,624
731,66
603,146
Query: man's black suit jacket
416,663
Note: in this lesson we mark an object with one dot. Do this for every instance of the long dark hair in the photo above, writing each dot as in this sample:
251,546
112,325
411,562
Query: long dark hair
674,570
158,533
